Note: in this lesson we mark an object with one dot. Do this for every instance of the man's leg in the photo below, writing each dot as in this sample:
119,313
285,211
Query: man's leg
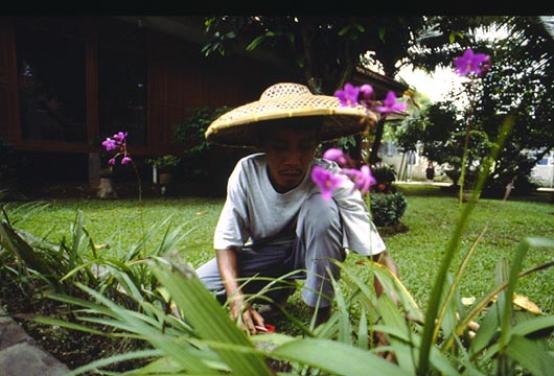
264,261
319,232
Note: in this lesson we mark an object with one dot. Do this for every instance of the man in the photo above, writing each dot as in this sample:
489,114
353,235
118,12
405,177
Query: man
275,221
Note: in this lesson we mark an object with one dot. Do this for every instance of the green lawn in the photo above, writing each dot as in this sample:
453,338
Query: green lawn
430,216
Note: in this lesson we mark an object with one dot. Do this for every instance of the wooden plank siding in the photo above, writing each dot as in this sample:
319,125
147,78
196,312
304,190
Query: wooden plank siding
179,78
91,81
9,104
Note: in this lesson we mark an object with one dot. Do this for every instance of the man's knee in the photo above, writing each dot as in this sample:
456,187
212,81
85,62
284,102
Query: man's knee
209,275
320,215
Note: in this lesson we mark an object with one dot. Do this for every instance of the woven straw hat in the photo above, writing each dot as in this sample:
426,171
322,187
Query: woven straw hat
284,103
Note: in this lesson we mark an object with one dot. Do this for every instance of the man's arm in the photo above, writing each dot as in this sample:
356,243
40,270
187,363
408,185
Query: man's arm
386,260
227,264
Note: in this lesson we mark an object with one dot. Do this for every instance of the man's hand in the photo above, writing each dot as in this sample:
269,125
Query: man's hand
386,260
249,317
379,338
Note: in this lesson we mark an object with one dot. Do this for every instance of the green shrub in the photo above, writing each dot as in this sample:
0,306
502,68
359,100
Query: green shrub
387,209
385,176
166,162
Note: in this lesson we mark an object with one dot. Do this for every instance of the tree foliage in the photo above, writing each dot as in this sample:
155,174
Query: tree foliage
518,82
327,49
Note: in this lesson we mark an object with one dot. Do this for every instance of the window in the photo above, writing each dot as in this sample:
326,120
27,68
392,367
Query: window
122,79
51,78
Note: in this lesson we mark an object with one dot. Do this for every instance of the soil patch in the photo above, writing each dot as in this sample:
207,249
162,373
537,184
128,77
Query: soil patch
71,347
388,231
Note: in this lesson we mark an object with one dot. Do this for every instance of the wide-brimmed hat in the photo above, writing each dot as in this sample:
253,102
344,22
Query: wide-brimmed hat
287,102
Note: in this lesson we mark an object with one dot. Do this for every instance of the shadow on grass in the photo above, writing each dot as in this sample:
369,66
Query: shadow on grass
426,190
452,191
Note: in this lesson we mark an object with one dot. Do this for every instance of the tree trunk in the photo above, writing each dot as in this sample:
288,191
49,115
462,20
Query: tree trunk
311,80
379,128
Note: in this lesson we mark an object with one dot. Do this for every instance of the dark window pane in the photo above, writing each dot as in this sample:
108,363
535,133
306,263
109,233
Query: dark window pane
51,73
122,80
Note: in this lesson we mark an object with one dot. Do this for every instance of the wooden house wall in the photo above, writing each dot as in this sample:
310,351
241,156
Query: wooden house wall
179,78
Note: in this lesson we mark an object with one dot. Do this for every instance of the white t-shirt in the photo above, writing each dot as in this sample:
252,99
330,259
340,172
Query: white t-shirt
255,211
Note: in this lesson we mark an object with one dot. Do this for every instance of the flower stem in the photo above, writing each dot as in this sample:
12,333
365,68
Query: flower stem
452,247
141,204
466,146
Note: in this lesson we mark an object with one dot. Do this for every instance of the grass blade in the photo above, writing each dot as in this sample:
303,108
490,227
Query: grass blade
452,247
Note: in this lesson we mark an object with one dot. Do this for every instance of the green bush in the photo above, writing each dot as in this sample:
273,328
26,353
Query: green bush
387,209
196,161
165,162
385,176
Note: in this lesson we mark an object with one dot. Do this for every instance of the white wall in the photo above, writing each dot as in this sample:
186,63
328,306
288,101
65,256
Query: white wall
542,174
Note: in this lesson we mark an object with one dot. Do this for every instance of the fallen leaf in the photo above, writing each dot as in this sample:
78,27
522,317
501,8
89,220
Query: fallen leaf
468,301
525,303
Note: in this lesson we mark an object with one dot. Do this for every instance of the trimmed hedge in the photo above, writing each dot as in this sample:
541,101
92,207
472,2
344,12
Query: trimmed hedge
387,209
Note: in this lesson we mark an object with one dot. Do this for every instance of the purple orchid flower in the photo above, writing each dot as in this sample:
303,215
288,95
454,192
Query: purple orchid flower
117,142
348,96
471,62
326,181
366,91
335,155
109,144
120,136
391,104
362,178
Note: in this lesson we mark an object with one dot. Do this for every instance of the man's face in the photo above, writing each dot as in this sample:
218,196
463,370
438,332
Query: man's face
289,153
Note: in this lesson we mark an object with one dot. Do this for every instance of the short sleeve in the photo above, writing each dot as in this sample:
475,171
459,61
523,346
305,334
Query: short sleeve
231,228
359,233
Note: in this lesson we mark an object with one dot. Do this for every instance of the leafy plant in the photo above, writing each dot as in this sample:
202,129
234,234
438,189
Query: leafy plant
207,341
190,133
35,267
167,161
385,176
387,209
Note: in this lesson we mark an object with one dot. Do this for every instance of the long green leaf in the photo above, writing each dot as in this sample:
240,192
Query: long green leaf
453,289
363,330
533,325
438,360
486,299
10,240
345,327
488,328
394,286
530,355
208,318
66,324
179,350
114,359
335,357
517,263
393,318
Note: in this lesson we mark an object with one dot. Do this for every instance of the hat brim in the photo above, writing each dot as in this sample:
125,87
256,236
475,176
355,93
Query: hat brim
241,126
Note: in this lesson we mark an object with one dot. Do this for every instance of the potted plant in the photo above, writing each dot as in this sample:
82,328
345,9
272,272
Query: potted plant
163,166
